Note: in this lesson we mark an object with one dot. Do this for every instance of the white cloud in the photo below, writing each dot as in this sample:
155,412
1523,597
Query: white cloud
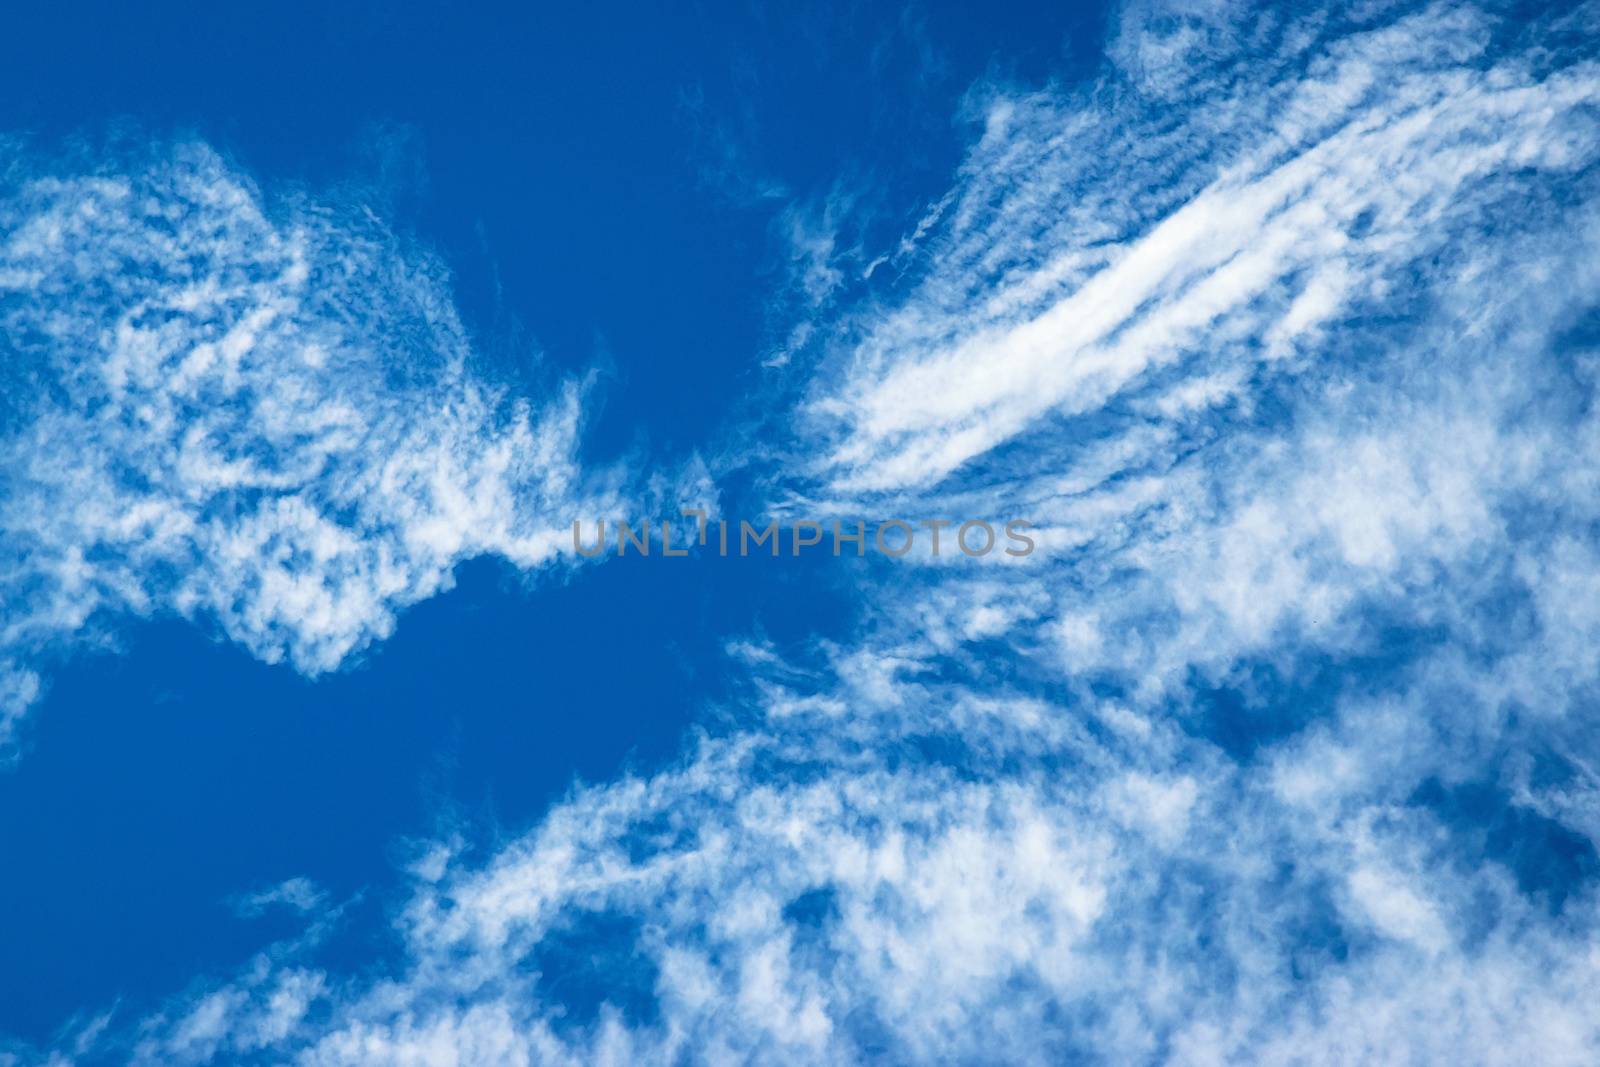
1082,267
261,414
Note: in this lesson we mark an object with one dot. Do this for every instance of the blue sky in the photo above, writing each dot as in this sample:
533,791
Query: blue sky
320,327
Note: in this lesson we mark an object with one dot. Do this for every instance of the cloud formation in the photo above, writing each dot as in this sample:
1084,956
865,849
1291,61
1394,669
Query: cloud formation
1101,253
260,414
1280,749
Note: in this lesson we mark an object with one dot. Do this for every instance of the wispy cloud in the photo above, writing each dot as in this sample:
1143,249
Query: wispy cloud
1109,249
258,413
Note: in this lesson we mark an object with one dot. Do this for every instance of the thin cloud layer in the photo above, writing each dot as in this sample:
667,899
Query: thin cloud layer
1108,248
894,866
260,416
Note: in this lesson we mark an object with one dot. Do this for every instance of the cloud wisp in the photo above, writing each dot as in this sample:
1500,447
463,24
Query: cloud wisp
259,414
1116,248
